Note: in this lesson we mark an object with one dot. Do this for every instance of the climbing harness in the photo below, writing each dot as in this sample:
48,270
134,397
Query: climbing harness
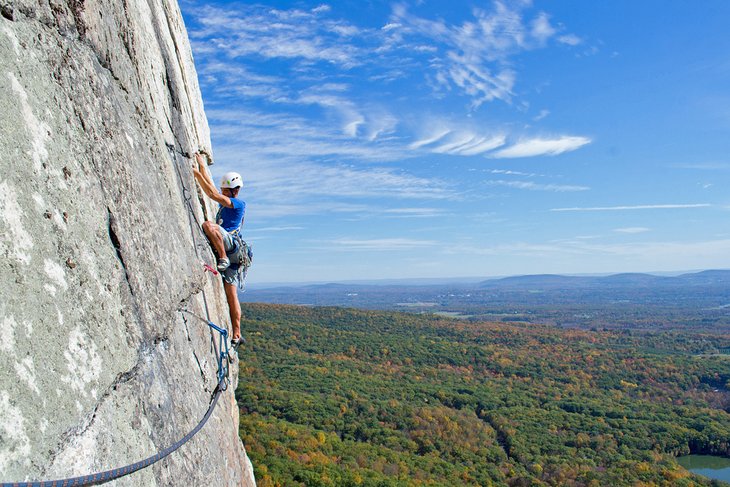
242,254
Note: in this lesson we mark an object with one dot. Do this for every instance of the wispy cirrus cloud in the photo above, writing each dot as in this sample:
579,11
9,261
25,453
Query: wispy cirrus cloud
570,39
470,145
378,244
646,252
635,207
413,212
262,209
542,146
531,186
278,229
255,30
284,182
632,230
440,138
474,56
292,167
541,115
509,172
465,142
430,139
280,136
320,55
707,166
228,80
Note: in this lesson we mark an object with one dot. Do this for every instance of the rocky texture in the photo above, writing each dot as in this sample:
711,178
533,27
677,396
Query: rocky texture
100,253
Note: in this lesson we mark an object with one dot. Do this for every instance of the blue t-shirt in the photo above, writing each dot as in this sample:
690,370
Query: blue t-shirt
231,218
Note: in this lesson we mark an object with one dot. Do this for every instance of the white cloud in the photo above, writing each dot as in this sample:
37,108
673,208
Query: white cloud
475,56
275,229
227,80
261,208
677,253
483,145
480,83
413,212
351,127
558,188
270,33
284,182
322,8
636,207
323,99
541,28
295,167
512,173
541,115
570,39
709,166
458,142
430,139
286,160
542,147
390,26
258,135
380,244
632,230
455,145
379,123
369,123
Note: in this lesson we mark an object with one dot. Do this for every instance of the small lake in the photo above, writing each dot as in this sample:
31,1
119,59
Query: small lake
707,465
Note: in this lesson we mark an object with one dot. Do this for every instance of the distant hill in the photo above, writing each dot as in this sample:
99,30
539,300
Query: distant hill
692,301
721,277
538,281
628,280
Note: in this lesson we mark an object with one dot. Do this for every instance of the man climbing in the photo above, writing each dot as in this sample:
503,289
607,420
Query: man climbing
222,233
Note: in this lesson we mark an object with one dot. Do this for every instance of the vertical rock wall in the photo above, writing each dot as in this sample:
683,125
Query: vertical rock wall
100,112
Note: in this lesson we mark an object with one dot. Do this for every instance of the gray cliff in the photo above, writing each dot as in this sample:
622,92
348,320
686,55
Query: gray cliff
102,361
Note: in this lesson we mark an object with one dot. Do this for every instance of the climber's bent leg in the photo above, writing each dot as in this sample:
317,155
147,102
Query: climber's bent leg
212,231
220,240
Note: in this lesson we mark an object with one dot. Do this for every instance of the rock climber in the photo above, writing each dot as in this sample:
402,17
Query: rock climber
222,232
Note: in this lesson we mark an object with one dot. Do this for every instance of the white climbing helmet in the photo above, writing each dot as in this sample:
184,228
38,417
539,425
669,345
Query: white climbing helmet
231,180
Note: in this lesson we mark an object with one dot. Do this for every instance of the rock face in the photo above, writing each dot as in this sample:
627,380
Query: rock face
103,361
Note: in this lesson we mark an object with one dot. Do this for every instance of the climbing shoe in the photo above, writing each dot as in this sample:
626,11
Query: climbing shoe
223,264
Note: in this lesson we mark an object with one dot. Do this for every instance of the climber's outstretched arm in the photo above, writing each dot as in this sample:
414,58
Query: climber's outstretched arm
206,183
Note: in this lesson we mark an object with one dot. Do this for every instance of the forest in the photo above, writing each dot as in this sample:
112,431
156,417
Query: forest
343,397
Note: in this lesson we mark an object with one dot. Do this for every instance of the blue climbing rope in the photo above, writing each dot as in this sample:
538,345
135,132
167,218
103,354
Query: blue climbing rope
223,357
108,475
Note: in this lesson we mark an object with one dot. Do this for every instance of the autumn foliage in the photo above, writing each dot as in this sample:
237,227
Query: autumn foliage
340,397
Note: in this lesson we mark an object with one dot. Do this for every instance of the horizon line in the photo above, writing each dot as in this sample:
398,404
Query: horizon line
466,279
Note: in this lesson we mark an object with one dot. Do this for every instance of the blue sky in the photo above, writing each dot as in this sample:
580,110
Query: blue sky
438,139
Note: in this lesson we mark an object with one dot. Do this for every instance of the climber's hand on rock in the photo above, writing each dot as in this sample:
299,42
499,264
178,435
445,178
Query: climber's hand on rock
199,158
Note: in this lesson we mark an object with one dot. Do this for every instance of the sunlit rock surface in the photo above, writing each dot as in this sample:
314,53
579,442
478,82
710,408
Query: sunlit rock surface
100,111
